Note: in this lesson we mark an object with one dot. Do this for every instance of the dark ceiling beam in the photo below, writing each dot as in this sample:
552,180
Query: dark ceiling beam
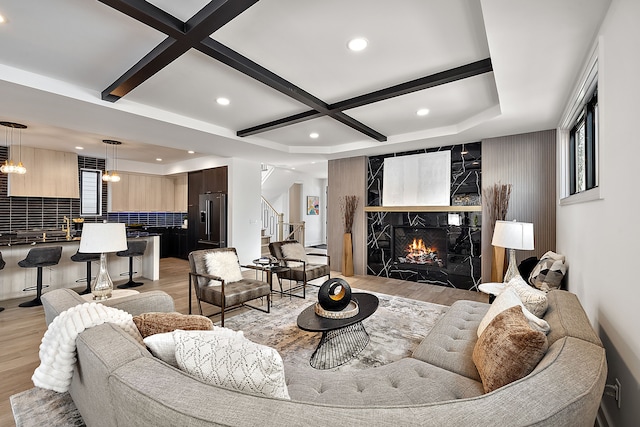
182,36
437,79
240,63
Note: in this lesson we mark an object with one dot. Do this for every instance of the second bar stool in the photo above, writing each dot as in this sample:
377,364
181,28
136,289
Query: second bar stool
88,258
39,258
134,248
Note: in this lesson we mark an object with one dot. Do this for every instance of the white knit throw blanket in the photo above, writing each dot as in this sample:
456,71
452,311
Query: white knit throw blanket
58,347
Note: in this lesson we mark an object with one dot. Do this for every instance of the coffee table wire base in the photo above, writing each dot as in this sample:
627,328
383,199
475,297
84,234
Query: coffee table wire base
338,346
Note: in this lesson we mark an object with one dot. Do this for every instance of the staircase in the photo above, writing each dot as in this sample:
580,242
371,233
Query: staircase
264,244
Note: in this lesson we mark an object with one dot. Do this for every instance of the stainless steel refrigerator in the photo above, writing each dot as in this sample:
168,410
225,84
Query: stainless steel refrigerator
212,224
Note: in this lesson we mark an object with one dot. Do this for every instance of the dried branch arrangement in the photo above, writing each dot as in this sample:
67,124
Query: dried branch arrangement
348,205
496,199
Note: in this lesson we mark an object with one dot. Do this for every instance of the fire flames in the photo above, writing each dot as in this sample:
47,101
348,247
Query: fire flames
419,253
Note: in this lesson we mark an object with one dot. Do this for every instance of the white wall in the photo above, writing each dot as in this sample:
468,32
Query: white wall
276,191
244,209
600,238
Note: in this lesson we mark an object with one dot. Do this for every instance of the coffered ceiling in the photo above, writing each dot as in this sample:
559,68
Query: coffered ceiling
149,74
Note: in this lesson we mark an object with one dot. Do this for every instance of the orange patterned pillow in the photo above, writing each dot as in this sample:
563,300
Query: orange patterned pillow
158,323
508,349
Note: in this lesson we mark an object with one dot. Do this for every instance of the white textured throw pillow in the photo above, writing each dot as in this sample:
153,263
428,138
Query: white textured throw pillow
223,264
533,299
163,345
232,362
294,251
507,299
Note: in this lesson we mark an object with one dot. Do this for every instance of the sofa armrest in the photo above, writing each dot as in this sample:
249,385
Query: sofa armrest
59,300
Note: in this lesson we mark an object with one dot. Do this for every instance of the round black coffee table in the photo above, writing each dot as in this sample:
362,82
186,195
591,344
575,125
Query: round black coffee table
342,339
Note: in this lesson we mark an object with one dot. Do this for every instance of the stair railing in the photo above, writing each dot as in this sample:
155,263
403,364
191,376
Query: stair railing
274,224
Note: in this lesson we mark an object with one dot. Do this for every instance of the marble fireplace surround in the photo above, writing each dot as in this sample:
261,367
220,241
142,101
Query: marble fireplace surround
460,223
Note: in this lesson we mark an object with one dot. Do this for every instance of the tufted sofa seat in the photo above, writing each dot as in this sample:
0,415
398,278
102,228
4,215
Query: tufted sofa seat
117,382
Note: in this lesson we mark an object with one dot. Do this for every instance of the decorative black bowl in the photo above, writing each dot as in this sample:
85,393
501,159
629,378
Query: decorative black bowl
334,294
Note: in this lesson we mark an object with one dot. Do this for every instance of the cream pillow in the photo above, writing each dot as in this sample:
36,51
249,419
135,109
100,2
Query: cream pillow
223,264
232,362
533,299
294,251
507,299
163,345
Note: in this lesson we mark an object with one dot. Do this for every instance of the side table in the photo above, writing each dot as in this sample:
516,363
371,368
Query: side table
493,289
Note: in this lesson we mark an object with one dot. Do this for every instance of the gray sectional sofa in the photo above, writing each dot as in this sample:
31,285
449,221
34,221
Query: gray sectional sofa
117,382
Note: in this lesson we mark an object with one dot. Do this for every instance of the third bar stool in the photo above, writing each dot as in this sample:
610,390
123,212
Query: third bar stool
39,258
134,248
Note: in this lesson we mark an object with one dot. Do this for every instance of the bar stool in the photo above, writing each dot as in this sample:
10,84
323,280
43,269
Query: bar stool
88,258
2,264
39,258
134,248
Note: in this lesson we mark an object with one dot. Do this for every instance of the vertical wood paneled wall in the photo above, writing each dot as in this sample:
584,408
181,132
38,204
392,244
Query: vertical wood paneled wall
527,162
346,177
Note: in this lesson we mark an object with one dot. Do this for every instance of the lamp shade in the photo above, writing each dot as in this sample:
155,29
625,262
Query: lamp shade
513,235
103,237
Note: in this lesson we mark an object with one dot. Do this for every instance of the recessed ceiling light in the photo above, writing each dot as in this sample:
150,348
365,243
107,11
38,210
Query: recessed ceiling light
190,151
314,135
223,101
79,148
158,159
358,44
422,112
2,20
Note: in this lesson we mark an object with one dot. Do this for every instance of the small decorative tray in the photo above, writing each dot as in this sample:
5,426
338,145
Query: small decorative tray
349,311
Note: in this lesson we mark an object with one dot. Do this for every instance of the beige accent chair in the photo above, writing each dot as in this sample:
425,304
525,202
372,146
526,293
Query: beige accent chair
300,269
228,295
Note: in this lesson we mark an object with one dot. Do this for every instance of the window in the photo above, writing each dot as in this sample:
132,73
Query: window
583,144
90,192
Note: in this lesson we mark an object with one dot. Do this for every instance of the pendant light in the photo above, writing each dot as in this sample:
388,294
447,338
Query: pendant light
9,166
113,176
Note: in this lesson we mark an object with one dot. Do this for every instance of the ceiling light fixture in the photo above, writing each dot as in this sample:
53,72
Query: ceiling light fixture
422,112
79,148
113,176
223,101
2,19
191,152
158,159
314,135
358,44
8,166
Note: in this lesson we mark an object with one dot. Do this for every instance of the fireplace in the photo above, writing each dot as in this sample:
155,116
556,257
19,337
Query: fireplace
419,247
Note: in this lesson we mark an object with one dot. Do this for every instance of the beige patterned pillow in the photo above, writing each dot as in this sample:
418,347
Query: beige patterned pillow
533,299
294,251
158,323
232,362
507,299
508,349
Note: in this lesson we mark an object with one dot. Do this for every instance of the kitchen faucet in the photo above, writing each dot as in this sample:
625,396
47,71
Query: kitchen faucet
67,227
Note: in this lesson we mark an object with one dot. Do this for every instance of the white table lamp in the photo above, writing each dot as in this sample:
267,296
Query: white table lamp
103,238
513,235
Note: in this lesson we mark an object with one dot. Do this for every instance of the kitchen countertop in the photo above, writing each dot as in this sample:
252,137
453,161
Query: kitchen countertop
15,240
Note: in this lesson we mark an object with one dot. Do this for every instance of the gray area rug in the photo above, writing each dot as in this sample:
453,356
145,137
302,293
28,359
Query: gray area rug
39,407
395,329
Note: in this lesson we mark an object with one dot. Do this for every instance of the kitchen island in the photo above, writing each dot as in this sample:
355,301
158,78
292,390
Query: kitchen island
14,248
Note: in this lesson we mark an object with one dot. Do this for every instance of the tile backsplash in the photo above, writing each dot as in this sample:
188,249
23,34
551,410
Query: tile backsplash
28,213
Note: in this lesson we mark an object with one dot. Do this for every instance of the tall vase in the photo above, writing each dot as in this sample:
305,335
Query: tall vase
497,265
347,255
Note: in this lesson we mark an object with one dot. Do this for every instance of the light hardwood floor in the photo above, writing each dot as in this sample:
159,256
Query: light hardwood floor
21,329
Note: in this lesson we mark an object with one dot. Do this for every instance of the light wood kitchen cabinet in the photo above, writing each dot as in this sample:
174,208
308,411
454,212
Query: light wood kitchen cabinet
144,193
49,174
180,192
